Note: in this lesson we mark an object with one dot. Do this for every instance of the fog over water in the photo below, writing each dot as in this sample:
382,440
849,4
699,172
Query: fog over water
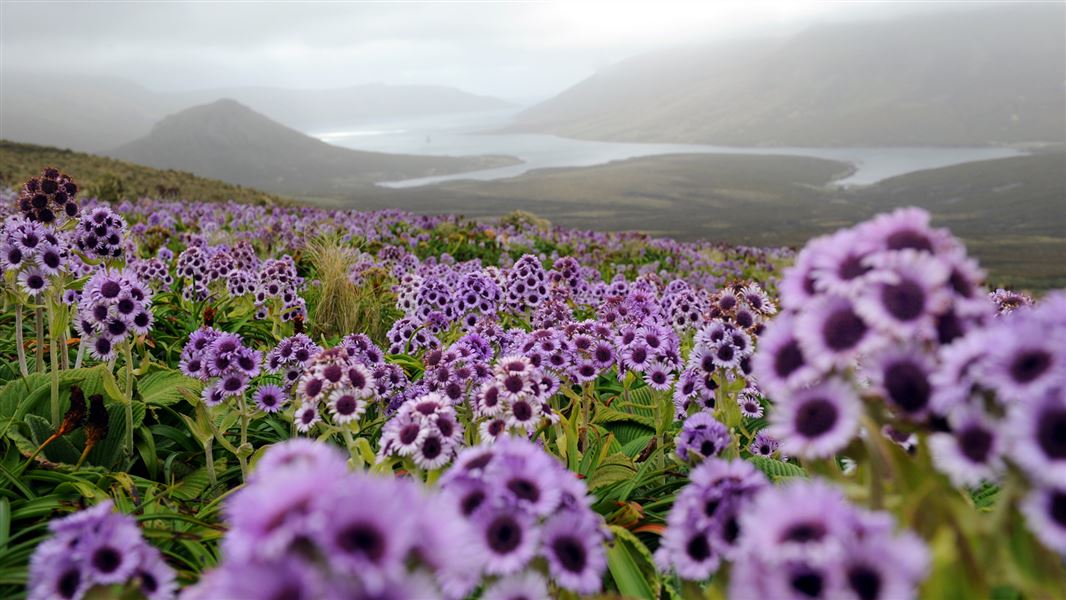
472,134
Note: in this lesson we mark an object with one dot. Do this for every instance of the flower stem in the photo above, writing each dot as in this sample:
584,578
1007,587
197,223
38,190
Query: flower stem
209,457
244,437
81,353
127,355
20,347
53,367
38,317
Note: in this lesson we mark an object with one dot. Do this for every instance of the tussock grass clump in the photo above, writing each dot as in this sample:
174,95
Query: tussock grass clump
342,306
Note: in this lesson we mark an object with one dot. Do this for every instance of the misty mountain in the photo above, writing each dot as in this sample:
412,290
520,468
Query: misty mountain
228,141
98,114
976,76
312,109
80,113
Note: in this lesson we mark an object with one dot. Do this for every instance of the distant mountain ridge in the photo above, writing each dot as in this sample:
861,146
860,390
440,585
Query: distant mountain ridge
962,77
100,113
228,141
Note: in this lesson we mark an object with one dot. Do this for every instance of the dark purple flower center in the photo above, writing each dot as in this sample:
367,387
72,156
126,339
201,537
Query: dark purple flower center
313,387
1028,366
843,330
307,416
522,411
1057,508
503,534
1051,433
808,583
110,289
513,383
804,532
907,386
816,417
905,300
725,353
852,267
909,238
409,433
149,583
68,583
524,489
345,405
788,358
471,501
362,539
708,448
431,447
106,559
975,443
570,553
697,548
865,582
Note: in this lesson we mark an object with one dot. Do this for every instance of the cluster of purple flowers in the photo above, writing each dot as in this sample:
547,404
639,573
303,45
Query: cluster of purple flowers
522,504
304,527
1003,392
292,356
426,429
113,305
277,280
338,379
153,271
884,294
703,527
804,540
223,360
458,371
514,399
49,198
701,437
97,547
526,284
32,252
99,233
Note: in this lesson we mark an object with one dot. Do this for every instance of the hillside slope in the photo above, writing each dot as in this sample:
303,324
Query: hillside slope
227,140
958,77
100,175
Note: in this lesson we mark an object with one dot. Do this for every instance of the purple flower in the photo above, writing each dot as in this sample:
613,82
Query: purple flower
817,421
702,436
703,526
270,398
803,540
97,547
1045,514
571,542
1038,437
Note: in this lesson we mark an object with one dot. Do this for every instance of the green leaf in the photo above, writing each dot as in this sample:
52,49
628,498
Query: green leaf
163,387
606,414
615,468
631,567
777,470
984,497
60,450
194,484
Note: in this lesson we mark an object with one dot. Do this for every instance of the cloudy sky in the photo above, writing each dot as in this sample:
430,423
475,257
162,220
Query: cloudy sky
514,50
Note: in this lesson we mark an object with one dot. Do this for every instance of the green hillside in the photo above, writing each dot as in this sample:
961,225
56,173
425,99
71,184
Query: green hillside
112,179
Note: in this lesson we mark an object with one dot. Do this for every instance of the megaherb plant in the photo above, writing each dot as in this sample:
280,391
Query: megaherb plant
225,401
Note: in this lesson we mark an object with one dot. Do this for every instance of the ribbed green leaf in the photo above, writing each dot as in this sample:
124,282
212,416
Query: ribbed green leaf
776,469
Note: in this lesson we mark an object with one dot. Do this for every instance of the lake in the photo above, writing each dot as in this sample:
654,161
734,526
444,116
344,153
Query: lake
464,134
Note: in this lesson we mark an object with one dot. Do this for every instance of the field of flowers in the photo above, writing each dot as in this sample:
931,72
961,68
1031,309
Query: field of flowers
223,401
